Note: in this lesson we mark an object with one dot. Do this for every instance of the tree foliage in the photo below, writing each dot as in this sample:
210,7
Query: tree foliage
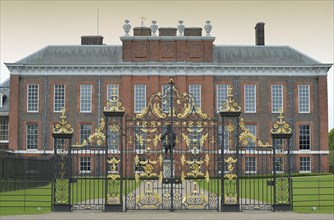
331,139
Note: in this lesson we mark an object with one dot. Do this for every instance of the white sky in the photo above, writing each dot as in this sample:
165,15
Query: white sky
27,26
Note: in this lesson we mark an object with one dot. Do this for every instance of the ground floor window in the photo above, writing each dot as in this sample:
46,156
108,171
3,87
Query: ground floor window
304,164
250,165
84,164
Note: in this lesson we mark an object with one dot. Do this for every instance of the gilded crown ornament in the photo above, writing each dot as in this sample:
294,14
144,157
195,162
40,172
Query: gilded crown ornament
229,105
63,127
281,126
113,103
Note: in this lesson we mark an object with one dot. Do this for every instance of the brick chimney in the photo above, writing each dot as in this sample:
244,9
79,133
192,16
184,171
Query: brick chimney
92,40
259,34
169,46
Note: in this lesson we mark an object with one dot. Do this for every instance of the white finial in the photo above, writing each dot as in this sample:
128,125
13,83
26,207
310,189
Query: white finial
154,28
180,28
126,27
207,28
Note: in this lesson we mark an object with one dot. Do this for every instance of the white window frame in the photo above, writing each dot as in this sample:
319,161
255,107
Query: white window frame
29,99
277,99
109,90
29,136
81,130
221,94
302,108
4,130
196,91
248,126
247,102
81,162
60,100
252,171
1,99
310,167
139,99
310,141
86,98
164,106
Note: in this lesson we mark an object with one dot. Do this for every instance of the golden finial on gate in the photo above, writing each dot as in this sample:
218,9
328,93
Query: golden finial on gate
63,127
113,103
229,105
281,126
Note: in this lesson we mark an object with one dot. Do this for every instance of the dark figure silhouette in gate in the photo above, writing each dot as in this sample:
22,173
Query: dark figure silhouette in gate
168,139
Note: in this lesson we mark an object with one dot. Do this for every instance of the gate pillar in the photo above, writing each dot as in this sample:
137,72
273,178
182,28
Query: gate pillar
230,113
62,134
114,112
281,134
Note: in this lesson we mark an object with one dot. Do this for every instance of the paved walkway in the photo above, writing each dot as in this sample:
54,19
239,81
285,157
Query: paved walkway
184,215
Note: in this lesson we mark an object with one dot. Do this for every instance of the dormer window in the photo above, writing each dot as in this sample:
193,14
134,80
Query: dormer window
2,99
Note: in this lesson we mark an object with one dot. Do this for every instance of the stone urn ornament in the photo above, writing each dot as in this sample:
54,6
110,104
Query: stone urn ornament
154,28
208,28
126,27
181,28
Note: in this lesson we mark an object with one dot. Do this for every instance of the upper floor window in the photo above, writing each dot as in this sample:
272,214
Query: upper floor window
195,90
59,98
304,164
85,132
140,140
304,137
2,96
86,98
32,98
304,99
165,100
32,137
250,98
139,97
221,94
252,130
4,131
111,89
276,98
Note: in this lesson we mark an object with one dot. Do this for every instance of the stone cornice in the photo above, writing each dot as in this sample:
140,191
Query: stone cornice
167,69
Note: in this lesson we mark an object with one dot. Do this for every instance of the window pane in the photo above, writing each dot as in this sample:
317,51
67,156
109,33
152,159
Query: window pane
250,165
32,98
59,97
304,98
85,98
250,98
85,132
221,94
305,164
304,137
32,136
4,130
195,90
110,89
252,130
85,164
276,98
139,97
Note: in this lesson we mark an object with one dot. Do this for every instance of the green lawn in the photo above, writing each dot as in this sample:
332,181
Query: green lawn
305,190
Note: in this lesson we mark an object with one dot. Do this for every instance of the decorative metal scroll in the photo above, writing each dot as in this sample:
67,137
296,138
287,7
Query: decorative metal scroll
150,198
97,138
148,168
63,127
281,126
113,195
62,169
230,105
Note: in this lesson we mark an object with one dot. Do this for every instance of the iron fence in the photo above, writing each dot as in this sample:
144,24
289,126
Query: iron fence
312,194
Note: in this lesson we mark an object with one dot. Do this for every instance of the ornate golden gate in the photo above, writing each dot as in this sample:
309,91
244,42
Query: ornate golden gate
181,178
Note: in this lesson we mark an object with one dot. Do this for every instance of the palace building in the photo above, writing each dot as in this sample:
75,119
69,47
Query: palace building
81,78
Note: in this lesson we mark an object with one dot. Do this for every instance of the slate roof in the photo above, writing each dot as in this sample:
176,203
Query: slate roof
223,55
4,89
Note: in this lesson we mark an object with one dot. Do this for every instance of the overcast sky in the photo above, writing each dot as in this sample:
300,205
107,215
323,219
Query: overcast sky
27,26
